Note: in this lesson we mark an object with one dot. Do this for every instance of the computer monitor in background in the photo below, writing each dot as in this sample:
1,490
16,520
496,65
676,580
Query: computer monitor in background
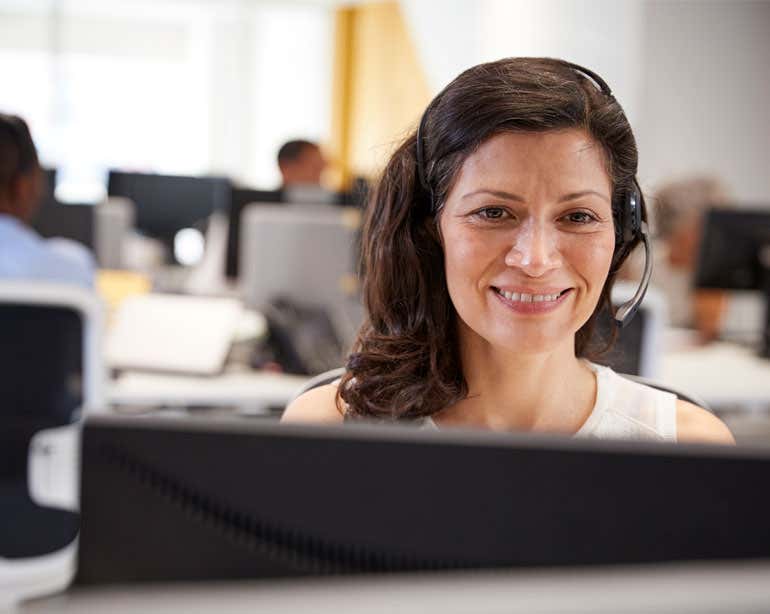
64,220
305,256
735,255
170,499
166,204
239,198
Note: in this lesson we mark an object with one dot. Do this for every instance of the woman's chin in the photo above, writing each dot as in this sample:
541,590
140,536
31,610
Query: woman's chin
522,344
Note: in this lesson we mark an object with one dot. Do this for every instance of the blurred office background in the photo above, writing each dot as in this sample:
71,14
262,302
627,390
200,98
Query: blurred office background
159,122
117,92
194,87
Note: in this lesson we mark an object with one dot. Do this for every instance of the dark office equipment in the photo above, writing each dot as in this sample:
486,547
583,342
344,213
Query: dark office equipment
166,204
626,353
172,500
68,221
735,255
300,338
41,361
240,197
49,178
357,194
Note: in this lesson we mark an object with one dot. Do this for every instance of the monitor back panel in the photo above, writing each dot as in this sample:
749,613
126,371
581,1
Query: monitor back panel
67,221
166,204
729,254
168,501
240,198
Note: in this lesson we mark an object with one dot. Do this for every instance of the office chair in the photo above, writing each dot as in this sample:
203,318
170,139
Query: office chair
334,374
51,375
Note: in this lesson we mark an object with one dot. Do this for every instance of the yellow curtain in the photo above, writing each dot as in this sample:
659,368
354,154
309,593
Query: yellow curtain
380,89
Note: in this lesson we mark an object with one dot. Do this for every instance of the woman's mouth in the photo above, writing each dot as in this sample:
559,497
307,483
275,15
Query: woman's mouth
531,302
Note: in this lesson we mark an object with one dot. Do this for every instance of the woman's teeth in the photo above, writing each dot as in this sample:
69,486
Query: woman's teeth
528,298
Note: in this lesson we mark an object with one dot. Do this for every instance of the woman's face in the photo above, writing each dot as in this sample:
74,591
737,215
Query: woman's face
528,238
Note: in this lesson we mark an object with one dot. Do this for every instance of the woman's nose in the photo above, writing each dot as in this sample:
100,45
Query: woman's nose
534,249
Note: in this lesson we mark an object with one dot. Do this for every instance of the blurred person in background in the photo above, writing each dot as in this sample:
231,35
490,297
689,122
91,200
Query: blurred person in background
24,254
301,164
678,209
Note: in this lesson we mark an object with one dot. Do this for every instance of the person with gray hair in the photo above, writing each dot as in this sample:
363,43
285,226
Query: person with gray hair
678,210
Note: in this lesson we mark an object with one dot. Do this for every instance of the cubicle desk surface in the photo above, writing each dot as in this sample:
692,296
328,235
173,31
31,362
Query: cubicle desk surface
722,374
730,588
245,390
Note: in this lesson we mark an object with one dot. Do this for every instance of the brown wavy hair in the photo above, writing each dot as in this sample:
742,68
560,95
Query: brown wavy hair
405,362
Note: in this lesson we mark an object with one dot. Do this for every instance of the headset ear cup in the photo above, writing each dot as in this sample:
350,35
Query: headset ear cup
620,215
634,213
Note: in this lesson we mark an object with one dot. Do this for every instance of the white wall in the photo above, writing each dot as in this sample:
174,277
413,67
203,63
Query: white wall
706,96
604,35
172,86
692,75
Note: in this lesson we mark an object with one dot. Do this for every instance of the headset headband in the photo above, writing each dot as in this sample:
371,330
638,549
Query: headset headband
600,84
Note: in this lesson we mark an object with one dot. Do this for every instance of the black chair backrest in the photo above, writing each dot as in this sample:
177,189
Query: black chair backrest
41,387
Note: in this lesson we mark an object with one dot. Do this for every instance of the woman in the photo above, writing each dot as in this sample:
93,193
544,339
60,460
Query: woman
490,246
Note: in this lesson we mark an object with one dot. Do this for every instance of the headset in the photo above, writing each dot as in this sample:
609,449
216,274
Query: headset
629,222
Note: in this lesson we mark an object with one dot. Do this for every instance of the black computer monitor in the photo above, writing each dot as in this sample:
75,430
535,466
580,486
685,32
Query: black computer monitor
165,499
65,220
239,198
735,255
166,204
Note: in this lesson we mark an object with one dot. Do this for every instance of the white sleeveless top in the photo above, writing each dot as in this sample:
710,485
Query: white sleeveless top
624,410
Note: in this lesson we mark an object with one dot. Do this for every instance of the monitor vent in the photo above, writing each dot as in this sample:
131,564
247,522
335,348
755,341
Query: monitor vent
298,550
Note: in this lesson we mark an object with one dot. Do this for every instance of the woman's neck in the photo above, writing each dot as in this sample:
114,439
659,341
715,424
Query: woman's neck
551,391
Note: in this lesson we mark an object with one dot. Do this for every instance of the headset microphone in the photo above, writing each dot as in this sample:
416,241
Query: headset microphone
625,313
632,226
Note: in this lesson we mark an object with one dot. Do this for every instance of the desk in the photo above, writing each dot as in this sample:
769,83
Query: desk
705,588
246,390
722,374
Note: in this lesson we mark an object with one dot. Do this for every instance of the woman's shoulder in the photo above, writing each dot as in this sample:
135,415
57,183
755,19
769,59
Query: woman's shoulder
698,425
318,405
663,411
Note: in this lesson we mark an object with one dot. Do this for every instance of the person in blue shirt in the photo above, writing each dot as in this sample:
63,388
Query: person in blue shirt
24,255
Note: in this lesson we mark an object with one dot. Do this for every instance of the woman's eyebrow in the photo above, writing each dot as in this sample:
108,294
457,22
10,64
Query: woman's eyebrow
497,193
574,195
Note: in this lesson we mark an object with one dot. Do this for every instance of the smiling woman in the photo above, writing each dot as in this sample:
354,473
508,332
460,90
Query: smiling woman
491,244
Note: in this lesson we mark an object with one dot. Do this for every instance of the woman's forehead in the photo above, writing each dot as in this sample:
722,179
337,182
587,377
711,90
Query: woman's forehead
565,159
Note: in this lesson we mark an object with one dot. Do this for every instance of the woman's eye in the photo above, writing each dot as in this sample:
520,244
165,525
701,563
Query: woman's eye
491,213
580,217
